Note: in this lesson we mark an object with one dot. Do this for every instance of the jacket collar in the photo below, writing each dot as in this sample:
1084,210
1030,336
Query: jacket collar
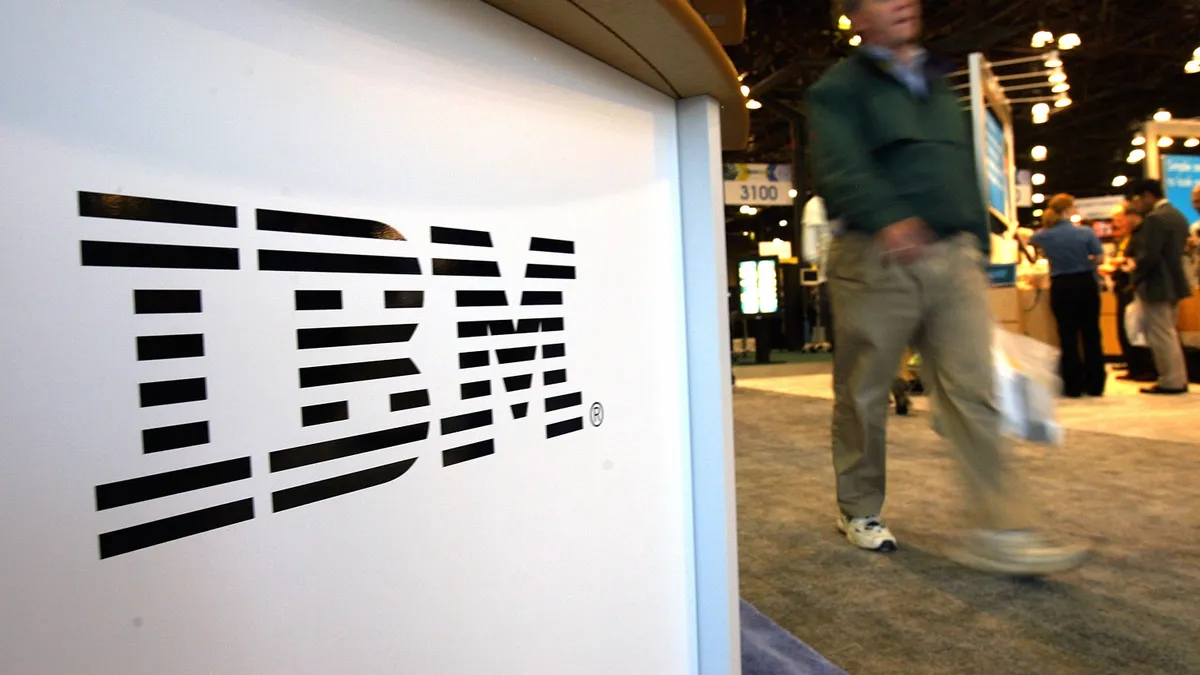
936,66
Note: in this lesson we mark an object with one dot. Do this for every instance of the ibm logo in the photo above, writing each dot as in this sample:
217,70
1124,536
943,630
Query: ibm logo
477,353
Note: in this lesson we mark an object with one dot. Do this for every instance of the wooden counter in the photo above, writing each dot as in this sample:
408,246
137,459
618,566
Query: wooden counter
1027,311
662,43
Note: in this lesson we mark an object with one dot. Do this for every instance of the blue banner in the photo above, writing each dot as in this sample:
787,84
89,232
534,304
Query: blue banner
1181,173
996,164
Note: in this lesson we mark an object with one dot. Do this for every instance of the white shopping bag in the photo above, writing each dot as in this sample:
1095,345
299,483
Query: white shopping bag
1135,324
1027,385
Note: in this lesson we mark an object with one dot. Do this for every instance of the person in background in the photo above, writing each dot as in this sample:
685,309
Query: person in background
1074,253
895,162
1160,283
1127,223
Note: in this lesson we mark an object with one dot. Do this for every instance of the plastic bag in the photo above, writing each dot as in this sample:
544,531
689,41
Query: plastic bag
1135,324
1027,386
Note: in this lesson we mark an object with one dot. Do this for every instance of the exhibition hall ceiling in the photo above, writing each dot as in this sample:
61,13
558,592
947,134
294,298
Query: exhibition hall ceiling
1129,65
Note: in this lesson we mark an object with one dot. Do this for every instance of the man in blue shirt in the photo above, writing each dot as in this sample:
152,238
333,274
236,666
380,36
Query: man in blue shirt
1073,253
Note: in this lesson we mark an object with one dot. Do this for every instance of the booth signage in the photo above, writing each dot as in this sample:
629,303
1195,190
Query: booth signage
1181,174
758,184
996,164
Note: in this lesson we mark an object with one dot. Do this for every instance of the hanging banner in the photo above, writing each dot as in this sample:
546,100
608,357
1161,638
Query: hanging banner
1181,175
758,184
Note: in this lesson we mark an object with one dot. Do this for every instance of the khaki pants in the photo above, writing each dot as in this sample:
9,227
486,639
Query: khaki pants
1163,339
939,306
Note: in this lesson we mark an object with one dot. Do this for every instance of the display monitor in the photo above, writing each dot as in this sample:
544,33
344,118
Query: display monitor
758,284
996,165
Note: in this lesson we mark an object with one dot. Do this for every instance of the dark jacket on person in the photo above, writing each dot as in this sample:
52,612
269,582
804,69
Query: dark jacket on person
1159,274
882,153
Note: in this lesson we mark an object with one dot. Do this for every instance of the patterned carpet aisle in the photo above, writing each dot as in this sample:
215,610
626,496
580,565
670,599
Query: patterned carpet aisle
1131,611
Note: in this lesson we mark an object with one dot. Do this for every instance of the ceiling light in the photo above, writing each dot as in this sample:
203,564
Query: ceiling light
1040,112
1119,181
744,209
783,223
745,90
1060,88
745,234
1038,179
1053,61
1069,41
752,211
844,23
1138,140
793,193
753,104
856,41
1041,39
1136,156
1162,115
1166,142
1057,76
1062,101
1037,213
1191,142
1038,198
742,76
1038,153
1196,54
1192,67
1076,218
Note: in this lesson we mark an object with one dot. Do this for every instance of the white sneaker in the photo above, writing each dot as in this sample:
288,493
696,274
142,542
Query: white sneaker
1019,553
868,533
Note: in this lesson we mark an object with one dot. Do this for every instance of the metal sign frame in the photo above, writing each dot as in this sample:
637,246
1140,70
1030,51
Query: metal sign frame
987,93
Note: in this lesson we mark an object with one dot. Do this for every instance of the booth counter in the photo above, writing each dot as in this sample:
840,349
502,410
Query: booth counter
375,337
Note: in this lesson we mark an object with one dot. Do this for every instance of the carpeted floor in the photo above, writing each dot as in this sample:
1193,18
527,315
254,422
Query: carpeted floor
1134,609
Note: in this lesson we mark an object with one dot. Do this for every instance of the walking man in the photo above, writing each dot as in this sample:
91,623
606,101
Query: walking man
1161,282
895,163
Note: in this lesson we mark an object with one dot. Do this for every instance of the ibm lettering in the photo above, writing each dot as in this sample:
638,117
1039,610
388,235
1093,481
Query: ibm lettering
497,356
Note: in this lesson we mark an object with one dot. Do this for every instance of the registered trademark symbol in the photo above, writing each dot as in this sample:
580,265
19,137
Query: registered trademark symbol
597,414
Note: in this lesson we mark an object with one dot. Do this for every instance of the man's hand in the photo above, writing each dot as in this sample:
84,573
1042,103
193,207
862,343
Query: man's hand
905,242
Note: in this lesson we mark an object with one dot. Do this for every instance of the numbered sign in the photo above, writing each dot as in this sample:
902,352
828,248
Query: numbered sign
758,184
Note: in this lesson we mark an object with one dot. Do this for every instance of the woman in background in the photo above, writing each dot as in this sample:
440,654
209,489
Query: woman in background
1073,253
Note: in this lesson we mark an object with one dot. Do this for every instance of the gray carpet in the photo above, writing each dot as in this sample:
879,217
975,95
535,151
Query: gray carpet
1134,609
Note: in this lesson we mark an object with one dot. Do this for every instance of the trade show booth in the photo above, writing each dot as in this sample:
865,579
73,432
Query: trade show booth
366,337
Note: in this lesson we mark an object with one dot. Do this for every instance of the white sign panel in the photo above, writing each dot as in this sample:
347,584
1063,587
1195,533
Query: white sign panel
279,400
758,184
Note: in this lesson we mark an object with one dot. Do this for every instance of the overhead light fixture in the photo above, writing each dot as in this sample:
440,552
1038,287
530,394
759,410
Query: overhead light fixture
1069,41
742,76
1191,142
1119,181
753,104
783,223
1196,54
1062,101
856,41
1192,67
1060,88
1041,39
1138,140
1053,60
1057,76
844,23
1040,112
1162,115
1037,213
1166,142
1038,198
793,193
745,90
1038,179
1076,218
744,208
1136,155
1038,153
